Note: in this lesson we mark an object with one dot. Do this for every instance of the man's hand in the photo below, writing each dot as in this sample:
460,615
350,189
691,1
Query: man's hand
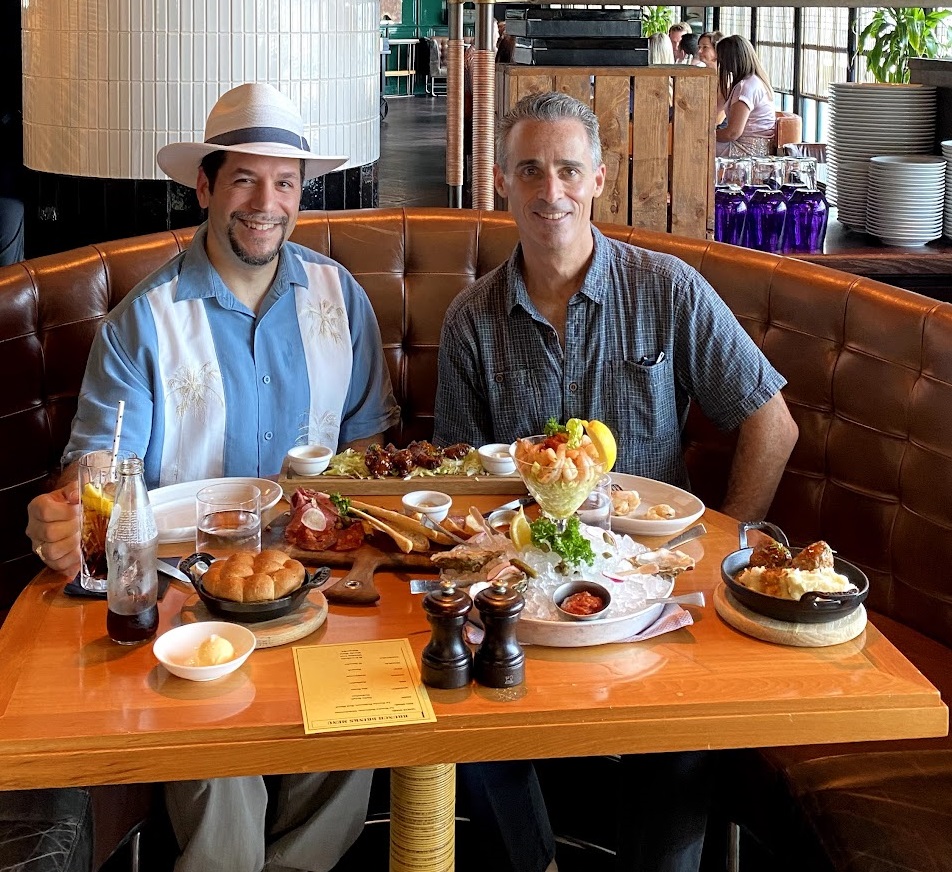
764,443
54,528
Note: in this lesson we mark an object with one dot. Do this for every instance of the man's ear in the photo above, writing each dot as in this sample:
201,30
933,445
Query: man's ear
600,180
202,189
499,180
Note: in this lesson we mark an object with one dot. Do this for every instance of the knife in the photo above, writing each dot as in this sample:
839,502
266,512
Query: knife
173,572
512,505
694,532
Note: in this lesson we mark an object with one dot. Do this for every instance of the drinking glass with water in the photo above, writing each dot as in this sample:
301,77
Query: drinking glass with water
228,519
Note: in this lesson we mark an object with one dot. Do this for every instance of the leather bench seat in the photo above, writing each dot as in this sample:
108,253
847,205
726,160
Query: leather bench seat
46,830
869,385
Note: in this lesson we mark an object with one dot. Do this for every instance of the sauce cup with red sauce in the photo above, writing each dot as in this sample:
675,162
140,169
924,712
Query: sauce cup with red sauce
582,600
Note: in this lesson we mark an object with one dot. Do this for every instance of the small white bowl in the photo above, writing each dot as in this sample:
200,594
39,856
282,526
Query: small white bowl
309,459
496,459
434,504
175,648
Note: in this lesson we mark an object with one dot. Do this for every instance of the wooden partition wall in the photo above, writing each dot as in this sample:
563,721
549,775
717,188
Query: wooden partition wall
660,163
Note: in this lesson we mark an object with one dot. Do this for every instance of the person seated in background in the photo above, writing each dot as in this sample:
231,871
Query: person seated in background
745,101
689,48
675,32
216,355
706,47
659,49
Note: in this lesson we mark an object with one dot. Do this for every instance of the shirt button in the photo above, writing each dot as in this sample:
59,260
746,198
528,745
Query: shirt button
268,435
573,387
499,378
267,379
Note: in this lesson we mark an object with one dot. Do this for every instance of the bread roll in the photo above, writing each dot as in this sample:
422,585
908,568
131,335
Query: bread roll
253,578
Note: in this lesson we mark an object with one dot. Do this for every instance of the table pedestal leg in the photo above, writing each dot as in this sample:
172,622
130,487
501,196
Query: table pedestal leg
422,818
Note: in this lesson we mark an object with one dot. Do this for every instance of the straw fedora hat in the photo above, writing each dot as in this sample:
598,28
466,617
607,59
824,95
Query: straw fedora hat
251,119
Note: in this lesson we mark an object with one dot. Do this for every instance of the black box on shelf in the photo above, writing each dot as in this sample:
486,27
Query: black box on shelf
581,52
568,23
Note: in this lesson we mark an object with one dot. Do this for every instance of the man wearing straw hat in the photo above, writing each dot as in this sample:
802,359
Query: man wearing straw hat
224,357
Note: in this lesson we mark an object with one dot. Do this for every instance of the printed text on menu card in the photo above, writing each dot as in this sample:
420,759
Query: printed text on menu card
360,685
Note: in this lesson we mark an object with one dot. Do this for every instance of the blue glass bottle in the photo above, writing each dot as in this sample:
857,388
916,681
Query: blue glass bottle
807,217
730,215
765,219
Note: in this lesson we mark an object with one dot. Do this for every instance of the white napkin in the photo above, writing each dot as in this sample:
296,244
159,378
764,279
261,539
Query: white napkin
672,617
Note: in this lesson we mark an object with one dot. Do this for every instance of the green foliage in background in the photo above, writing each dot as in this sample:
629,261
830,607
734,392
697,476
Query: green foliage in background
656,19
896,34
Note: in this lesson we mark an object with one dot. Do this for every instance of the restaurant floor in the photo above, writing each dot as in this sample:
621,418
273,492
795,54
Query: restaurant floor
412,166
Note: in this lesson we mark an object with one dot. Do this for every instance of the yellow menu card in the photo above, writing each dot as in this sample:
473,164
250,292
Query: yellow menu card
360,685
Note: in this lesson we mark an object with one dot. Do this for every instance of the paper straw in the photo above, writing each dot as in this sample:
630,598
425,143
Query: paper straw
115,438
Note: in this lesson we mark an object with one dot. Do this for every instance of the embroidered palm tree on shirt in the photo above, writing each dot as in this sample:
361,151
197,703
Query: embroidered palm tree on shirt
319,428
326,320
193,389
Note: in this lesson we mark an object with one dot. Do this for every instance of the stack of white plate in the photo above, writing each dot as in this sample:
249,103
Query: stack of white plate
905,198
947,154
867,120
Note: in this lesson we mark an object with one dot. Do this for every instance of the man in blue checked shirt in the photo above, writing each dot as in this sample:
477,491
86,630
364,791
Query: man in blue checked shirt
576,325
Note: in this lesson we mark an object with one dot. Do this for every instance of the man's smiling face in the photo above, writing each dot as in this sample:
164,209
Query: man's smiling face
252,207
550,182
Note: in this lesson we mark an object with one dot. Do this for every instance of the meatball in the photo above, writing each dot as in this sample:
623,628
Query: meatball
771,555
378,460
457,451
819,555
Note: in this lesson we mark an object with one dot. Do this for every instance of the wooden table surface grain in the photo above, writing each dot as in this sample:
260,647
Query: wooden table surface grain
77,709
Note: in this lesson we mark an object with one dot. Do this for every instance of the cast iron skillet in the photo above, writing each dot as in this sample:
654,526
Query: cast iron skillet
814,607
196,565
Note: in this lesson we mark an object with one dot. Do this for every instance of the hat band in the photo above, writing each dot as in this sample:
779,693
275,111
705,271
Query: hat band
246,135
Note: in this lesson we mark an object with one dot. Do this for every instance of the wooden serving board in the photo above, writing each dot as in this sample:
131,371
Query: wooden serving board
297,624
357,586
787,632
449,484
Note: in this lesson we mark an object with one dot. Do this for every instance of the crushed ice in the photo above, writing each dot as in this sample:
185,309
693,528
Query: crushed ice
628,596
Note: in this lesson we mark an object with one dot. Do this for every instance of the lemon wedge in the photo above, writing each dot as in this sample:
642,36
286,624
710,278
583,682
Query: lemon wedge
519,531
604,441
97,501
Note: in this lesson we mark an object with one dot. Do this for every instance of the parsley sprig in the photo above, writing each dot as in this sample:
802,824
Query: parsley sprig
570,544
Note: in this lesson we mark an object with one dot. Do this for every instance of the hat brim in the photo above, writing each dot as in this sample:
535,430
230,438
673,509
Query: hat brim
180,160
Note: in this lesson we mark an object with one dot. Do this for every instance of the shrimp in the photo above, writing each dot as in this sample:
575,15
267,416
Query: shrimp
569,470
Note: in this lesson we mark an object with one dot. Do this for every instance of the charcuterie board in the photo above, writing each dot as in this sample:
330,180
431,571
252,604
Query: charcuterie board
357,586
450,484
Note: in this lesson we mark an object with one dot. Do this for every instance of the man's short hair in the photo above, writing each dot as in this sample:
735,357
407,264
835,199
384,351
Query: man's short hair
213,162
549,106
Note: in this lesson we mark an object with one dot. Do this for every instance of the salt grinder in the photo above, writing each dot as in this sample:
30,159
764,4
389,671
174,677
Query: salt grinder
500,661
447,662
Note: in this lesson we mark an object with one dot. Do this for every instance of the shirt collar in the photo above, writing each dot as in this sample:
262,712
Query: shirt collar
198,279
592,287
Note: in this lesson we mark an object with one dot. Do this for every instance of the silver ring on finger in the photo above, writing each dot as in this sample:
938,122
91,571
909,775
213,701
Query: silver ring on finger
38,551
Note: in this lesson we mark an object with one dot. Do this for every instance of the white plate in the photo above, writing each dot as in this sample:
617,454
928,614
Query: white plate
688,507
174,505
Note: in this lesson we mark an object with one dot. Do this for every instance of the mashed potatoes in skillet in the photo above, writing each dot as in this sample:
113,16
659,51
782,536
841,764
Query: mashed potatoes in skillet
793,583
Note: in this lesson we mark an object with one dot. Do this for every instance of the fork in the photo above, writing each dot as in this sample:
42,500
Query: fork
616,487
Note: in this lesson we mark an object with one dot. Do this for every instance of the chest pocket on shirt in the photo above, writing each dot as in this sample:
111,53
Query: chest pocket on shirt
645,397
522,401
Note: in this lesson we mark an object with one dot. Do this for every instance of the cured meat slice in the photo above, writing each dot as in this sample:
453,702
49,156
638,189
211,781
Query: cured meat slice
338,534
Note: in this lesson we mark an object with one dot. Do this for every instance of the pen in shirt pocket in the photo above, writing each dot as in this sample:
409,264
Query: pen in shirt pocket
647,360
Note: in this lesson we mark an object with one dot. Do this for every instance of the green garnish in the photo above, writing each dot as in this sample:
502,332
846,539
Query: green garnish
570,544
341,503
576,431
553,427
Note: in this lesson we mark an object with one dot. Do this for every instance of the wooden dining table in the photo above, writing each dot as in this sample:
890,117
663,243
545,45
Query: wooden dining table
76,709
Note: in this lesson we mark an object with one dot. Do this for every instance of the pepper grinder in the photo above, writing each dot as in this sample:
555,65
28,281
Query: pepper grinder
500,661
447,662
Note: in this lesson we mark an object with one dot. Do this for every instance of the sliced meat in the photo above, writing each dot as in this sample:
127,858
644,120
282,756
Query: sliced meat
457,451
349,538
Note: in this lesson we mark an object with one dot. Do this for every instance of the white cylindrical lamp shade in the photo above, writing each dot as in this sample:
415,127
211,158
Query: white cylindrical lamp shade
106,83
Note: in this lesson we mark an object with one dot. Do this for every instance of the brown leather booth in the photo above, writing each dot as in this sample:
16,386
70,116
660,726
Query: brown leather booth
869,368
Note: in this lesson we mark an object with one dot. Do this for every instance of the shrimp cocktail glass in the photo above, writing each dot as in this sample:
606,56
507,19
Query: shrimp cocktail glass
98,479
560,468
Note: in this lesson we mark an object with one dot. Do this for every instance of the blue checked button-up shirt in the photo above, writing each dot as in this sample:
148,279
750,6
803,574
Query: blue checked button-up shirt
503,371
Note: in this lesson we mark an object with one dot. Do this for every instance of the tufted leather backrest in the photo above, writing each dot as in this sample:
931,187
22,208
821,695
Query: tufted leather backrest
869,368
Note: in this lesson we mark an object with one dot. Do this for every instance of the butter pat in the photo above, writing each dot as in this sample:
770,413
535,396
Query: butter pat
212,652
